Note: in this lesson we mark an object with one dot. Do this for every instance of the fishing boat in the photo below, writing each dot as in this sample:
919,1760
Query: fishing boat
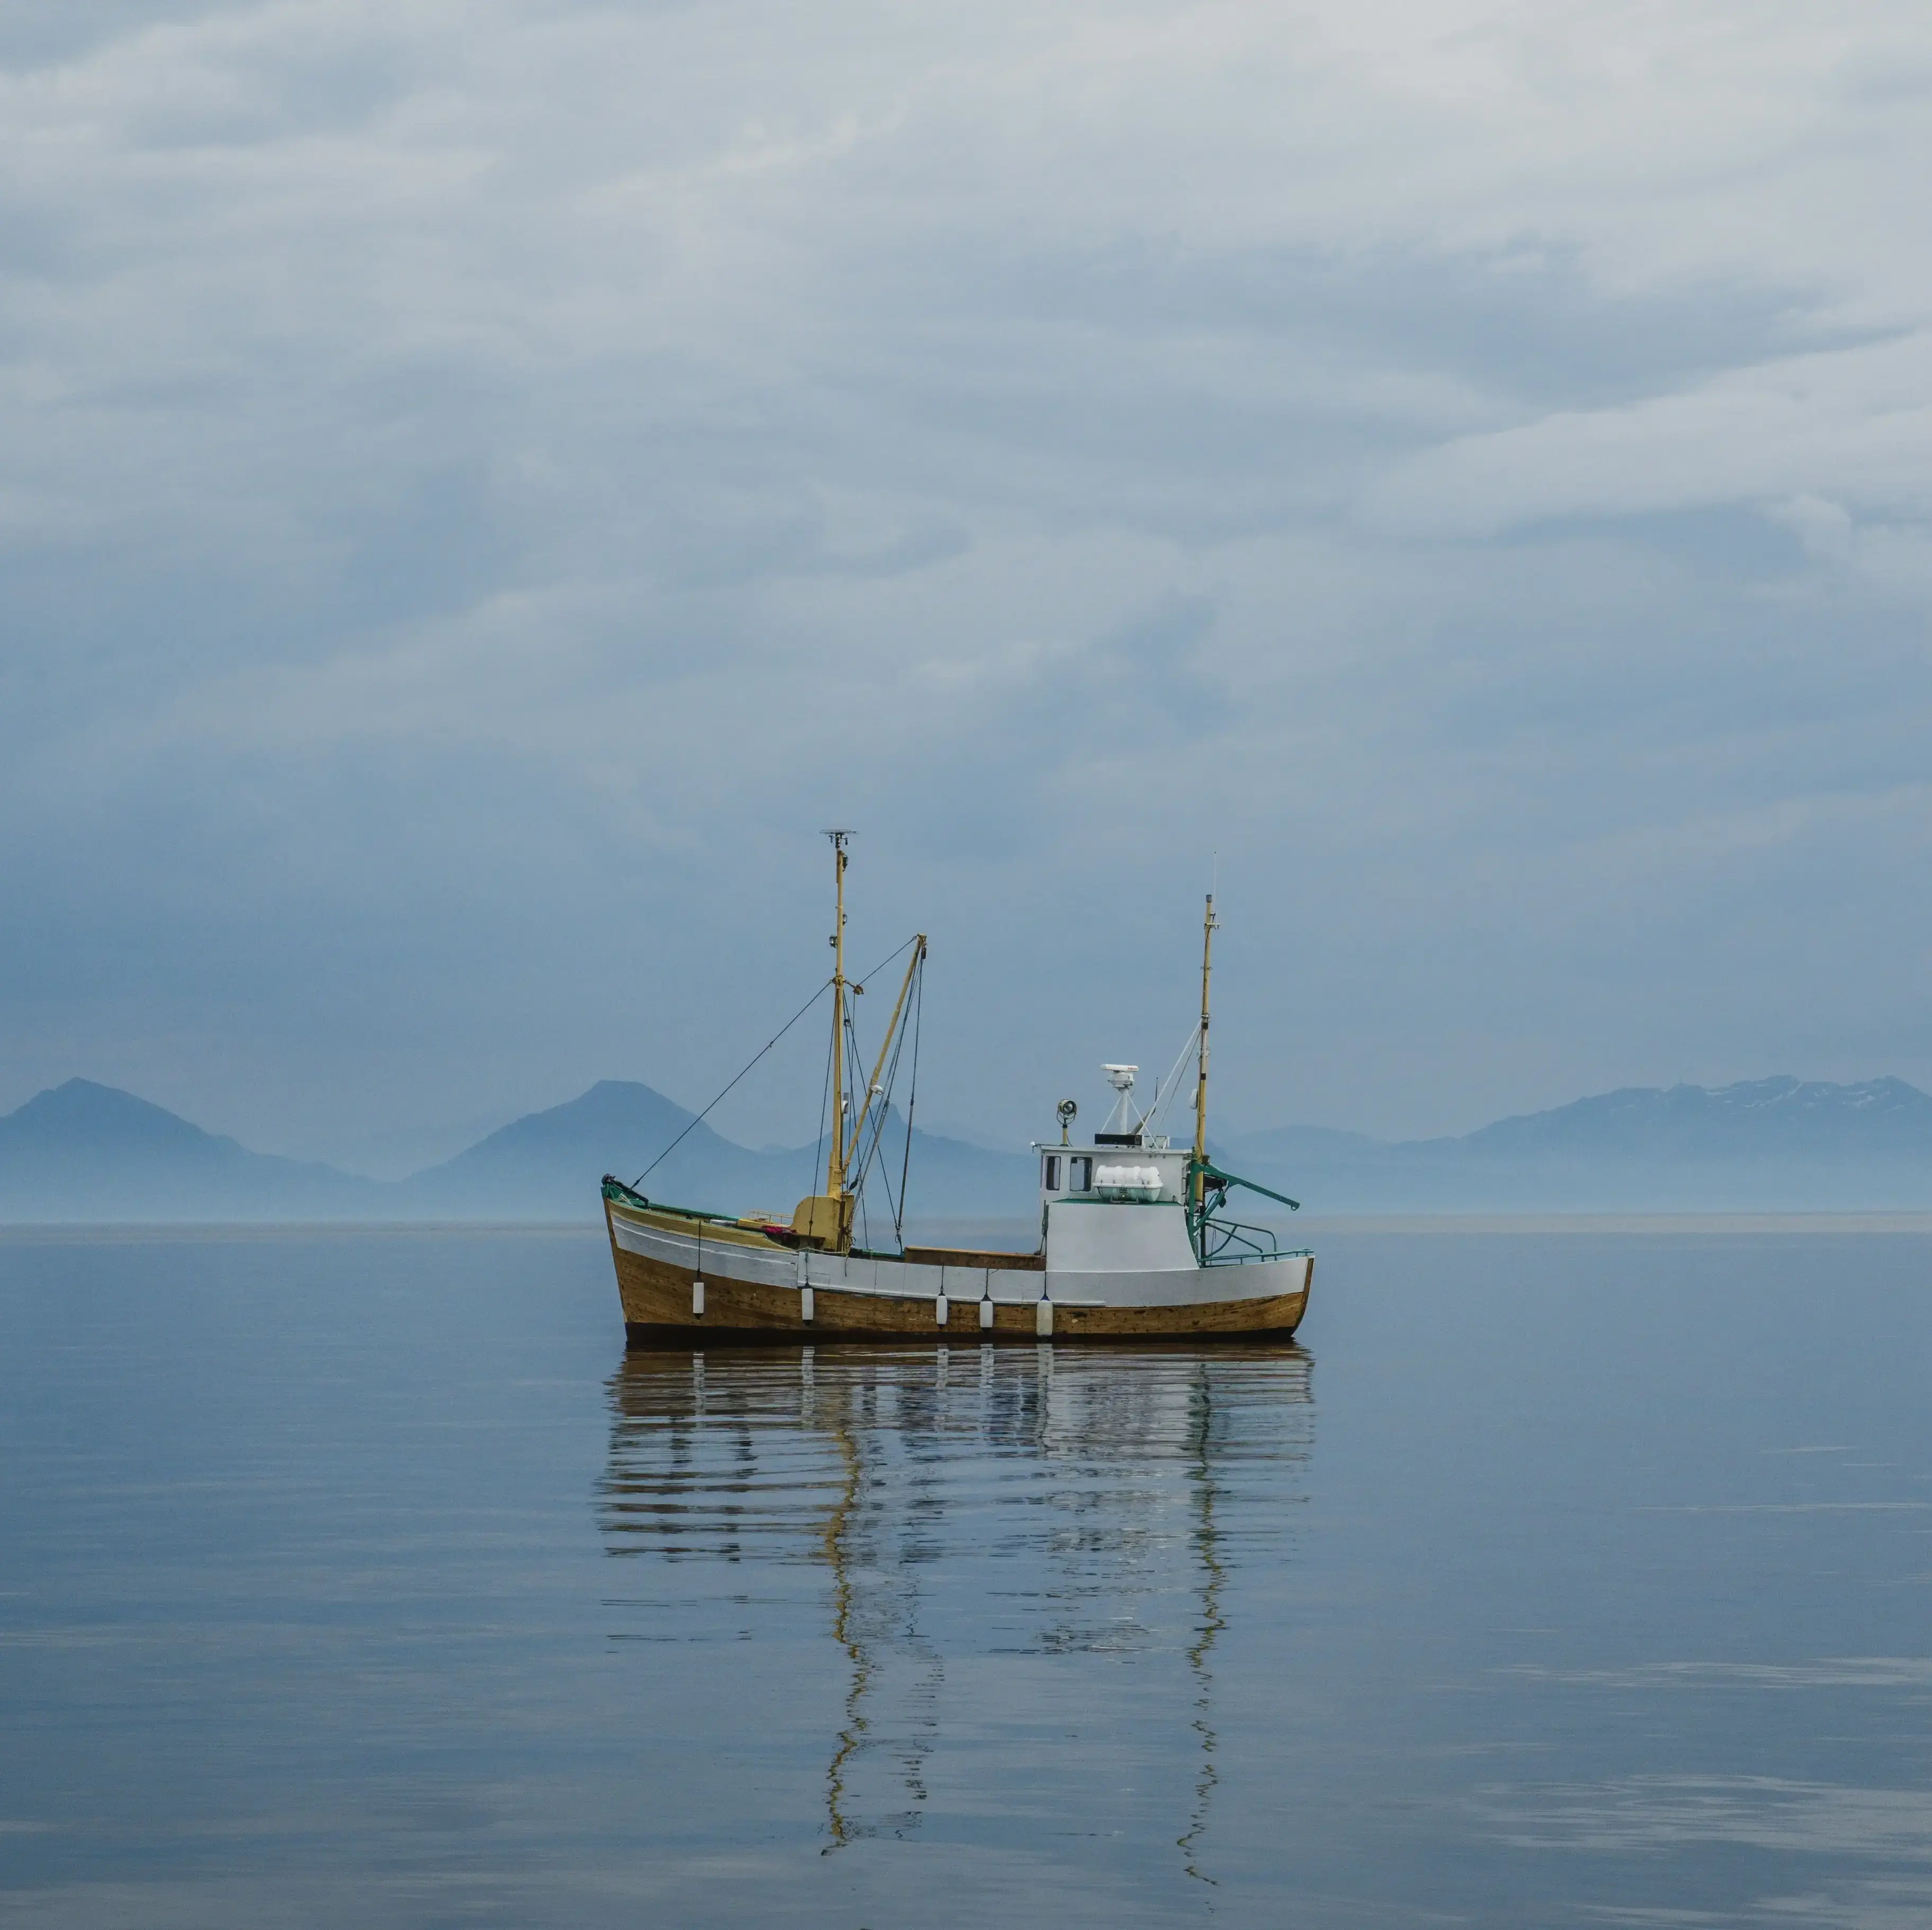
1135,1242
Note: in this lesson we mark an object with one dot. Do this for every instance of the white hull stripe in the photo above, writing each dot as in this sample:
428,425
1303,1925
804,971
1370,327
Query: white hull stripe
691,1252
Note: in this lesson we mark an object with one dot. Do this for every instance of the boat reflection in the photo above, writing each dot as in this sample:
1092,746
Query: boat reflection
945,1508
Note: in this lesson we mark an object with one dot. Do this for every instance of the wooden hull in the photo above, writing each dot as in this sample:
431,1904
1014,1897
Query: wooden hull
673,1299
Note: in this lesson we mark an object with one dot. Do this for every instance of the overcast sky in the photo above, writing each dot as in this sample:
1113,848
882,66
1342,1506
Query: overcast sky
482,485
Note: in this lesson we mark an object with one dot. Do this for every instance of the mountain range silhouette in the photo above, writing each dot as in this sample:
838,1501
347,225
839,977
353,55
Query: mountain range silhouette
83,1151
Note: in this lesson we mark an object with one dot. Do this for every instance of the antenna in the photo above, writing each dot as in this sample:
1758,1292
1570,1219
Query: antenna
1120,1120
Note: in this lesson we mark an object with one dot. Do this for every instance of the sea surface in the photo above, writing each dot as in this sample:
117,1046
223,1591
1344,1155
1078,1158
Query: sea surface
1556,1577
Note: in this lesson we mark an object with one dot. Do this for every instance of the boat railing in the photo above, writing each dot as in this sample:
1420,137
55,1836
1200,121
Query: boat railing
1225,1243
1222,1243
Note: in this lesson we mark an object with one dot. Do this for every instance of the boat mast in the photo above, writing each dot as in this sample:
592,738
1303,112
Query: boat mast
1201,1077
834,1165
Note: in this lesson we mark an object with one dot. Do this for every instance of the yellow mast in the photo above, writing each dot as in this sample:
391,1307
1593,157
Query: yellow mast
1201,1079
825,1219
834,1165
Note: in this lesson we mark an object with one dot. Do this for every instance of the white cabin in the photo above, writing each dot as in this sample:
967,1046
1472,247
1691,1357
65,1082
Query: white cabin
1117,1205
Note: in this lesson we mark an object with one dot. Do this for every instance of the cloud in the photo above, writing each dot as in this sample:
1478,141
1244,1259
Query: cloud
481,485
1852,422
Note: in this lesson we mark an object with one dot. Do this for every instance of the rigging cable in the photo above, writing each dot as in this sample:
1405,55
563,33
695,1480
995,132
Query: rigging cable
886,961
895,1206
824,1106
766,1047
912,1097
858,1069
889,1078
857,1062
1162,1102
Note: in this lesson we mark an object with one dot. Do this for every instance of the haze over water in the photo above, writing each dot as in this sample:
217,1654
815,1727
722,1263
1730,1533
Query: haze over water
1556,1578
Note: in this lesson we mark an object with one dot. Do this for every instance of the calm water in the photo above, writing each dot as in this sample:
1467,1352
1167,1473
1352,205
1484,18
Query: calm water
1556,1580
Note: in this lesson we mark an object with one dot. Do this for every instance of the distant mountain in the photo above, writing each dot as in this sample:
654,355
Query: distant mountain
88,1152
84,1151
546,1165
1778,1118
1767,1144
536,1166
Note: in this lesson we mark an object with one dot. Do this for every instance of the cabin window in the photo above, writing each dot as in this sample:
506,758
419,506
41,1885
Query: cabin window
1079,1175
1053,1173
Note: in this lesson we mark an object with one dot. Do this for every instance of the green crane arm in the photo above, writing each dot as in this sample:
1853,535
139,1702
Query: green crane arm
1208,1170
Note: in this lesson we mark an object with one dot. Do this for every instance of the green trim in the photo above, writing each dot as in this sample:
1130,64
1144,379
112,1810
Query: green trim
624,1196
1093,1199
